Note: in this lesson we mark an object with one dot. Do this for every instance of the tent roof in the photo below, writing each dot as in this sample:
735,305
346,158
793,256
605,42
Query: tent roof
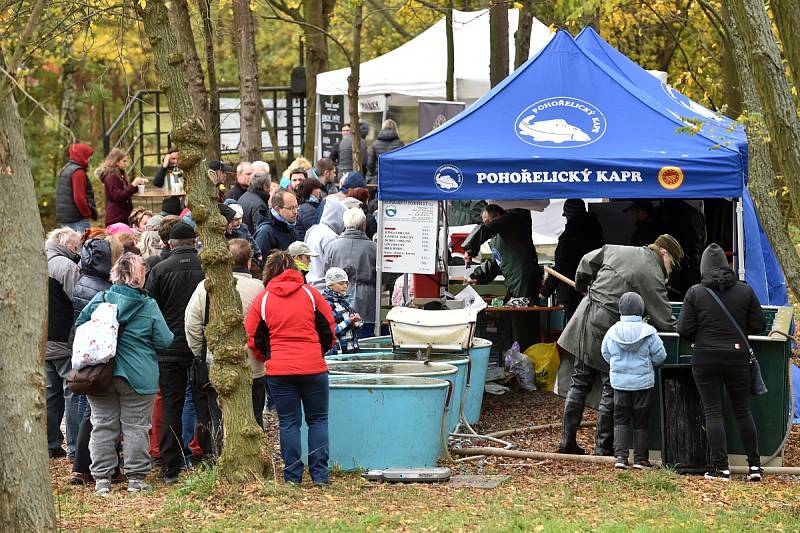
563,125
418,68
716,126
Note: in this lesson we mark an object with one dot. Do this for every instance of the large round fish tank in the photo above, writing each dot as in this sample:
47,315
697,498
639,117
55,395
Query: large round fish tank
384,421
462,364
379,347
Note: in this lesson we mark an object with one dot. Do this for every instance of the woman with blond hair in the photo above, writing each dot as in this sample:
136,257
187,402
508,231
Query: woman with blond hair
118,190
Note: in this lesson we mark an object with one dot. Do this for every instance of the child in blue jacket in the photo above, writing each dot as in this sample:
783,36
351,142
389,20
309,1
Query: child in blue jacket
632,348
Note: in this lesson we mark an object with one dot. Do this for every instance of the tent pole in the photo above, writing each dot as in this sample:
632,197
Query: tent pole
379,271
740,237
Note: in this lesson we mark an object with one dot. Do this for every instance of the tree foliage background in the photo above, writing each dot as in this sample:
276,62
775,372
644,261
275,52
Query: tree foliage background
104,39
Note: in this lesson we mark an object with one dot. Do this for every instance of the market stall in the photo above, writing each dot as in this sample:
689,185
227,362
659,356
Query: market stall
567,125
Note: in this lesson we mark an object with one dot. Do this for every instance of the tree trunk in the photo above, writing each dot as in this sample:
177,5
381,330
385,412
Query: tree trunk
762,178
450,83
69,115
731,86
212,127
26,497
353,81
273,139
181,24
773,89
498,41
315,13
250,108
522,37
787,19
245,456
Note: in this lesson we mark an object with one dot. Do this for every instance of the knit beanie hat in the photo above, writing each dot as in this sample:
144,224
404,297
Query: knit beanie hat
335,275
631,303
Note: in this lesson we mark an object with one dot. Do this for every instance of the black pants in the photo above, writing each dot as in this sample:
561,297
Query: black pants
259,396
709,380
82,459
207,427
172,378
631,408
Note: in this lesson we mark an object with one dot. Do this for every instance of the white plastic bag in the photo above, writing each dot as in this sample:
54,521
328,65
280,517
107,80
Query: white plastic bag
520,365
96,339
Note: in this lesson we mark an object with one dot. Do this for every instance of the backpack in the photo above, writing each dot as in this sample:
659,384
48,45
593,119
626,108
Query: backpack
94,350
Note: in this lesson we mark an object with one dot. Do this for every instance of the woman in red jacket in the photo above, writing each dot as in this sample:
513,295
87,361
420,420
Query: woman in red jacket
290,326
119,192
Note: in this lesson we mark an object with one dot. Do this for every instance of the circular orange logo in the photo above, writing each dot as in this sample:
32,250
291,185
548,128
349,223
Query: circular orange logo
670,177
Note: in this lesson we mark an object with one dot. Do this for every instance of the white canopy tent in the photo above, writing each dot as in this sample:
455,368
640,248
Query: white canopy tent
418,69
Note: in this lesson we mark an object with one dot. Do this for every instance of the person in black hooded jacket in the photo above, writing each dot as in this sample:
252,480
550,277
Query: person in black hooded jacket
581,235
386,141
97,258
720,356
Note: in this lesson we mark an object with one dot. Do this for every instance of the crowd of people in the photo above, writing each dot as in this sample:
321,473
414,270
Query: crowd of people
304,262
304,268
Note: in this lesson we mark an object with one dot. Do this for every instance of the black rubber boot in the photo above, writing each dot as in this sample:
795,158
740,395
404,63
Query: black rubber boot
573,413
604,436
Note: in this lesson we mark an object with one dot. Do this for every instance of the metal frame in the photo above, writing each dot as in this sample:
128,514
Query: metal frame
129,130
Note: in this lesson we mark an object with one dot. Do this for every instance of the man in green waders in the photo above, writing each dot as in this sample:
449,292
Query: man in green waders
513,256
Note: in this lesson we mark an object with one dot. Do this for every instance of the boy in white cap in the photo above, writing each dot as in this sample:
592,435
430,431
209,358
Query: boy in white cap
346,319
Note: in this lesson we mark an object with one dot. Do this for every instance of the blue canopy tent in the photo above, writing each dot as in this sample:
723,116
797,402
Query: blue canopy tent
762,270
563,125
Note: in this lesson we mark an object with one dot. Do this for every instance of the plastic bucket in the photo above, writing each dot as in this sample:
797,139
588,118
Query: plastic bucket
479,355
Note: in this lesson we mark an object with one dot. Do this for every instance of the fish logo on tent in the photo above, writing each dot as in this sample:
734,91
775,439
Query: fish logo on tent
690,104
448,178
560,122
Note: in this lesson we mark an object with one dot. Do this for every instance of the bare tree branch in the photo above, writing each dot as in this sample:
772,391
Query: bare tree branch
385,12
25,36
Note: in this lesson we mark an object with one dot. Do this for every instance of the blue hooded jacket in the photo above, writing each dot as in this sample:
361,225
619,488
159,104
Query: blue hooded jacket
632,348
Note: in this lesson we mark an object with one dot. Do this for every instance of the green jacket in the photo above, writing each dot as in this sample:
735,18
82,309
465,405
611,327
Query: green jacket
511,236
145,332
463,212
605,275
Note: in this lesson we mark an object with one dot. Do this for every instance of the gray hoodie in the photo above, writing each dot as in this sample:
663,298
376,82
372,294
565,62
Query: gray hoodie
319,236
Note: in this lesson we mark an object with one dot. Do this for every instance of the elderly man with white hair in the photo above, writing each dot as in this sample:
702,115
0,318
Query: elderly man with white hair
356,254
62,269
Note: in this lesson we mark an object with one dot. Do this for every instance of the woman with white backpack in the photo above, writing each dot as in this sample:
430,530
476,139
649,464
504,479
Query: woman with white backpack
127,405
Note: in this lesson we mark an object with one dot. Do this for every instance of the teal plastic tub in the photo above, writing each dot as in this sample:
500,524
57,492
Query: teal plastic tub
387,421
479,356
461,363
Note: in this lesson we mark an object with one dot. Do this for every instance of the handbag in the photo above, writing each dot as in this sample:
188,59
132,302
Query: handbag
96,379
757,385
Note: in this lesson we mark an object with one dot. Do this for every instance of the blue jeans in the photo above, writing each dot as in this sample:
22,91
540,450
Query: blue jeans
79,226
60,401
289,393
188,420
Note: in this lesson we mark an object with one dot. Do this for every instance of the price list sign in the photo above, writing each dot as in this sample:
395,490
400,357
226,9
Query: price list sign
331,117
409,237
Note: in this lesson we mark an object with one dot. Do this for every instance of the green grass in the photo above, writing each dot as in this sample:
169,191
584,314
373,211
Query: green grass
532,501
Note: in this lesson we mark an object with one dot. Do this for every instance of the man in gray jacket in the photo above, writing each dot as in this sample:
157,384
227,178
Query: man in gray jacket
603,276
62,269
354,252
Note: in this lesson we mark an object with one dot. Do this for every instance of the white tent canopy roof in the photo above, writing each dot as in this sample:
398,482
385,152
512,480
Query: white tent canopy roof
418,69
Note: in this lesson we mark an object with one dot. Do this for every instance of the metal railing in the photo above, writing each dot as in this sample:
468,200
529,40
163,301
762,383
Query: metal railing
142,128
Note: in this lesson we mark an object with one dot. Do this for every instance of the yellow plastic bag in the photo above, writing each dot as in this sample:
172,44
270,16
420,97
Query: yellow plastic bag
545,359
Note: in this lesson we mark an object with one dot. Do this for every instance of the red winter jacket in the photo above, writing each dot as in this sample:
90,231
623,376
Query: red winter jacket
81,153
294,342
